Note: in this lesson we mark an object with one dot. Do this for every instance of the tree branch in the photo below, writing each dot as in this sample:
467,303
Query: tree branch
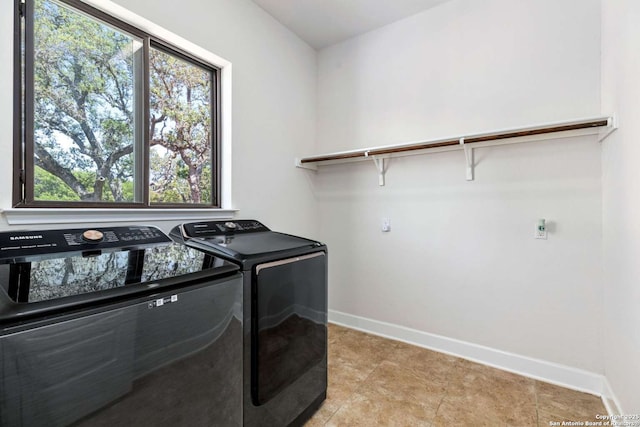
81,114
48,163
116,155
121,97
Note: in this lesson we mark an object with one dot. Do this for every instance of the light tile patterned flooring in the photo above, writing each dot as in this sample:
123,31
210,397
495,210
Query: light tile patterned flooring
379,382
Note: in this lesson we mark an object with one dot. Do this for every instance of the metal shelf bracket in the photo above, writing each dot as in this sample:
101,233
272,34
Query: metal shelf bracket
612,126
468,155
379,163
307,166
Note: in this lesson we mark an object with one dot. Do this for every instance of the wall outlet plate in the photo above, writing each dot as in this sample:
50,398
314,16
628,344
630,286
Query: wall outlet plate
386,225
541,234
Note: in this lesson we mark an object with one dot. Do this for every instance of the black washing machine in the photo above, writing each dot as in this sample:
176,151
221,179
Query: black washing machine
117,327
285,316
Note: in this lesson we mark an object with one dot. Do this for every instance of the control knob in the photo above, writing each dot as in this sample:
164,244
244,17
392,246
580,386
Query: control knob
92,236
231,225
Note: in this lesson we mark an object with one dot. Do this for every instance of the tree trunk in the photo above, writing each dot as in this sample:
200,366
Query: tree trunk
194,184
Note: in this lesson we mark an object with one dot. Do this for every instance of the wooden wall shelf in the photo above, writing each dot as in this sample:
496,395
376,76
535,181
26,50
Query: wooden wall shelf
599,125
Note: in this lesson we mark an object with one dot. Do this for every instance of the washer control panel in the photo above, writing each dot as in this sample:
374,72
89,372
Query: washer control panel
16,244
222,228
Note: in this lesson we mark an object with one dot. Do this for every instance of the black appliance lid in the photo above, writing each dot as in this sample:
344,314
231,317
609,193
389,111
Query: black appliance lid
244,242
54,268
244,246
45,278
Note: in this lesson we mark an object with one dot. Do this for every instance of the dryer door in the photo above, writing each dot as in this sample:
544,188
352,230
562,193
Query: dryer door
289,324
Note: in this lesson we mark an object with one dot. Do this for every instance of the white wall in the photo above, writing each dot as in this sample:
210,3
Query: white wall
274,78
621,201
461,67
461,260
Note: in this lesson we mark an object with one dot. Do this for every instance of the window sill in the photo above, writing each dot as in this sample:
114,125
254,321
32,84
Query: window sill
32,216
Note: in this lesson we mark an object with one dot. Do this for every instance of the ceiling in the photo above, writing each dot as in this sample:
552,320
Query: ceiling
322,23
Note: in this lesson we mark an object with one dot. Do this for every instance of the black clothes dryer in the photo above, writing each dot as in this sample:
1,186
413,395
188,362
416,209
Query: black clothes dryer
117,326
285,316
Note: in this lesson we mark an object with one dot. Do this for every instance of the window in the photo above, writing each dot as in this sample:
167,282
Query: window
111,116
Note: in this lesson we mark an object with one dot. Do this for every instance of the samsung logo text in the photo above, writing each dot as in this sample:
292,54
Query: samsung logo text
31,237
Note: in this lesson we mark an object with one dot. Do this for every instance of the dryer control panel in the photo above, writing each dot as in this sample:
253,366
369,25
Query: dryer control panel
222,228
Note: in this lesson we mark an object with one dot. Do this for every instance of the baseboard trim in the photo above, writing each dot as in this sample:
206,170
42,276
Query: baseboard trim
610,400
565,376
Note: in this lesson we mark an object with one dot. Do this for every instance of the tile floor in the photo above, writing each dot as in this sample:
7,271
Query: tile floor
378,382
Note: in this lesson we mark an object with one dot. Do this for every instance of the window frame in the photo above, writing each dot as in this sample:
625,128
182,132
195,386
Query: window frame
23,162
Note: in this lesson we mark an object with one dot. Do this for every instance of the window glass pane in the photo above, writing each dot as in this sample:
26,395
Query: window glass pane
180,130
85,79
